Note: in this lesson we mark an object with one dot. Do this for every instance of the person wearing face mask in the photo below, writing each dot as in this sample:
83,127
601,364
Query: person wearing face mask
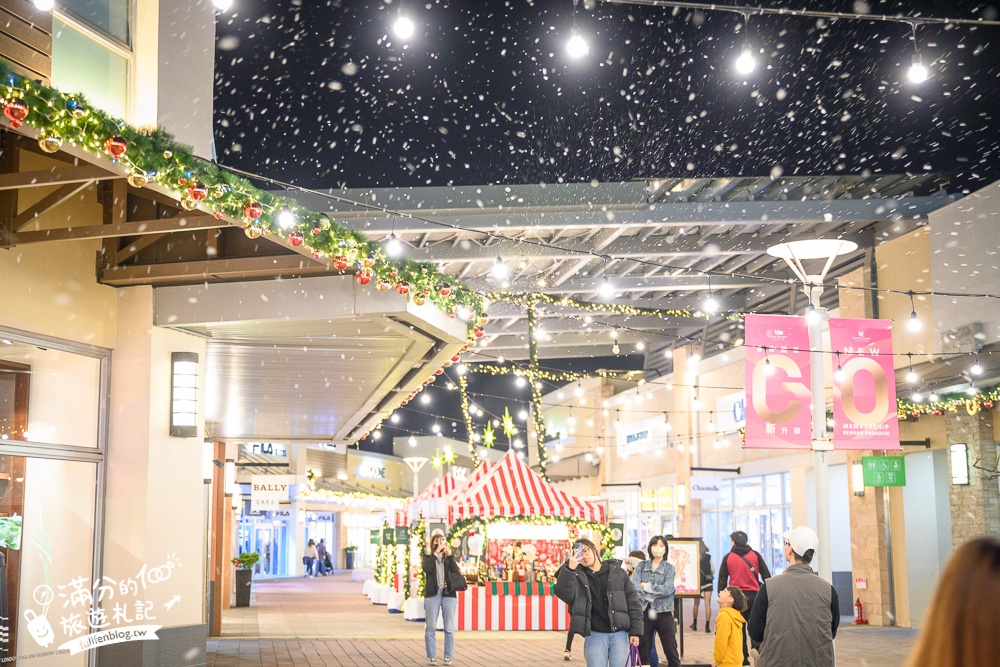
654,579
439,597
603,605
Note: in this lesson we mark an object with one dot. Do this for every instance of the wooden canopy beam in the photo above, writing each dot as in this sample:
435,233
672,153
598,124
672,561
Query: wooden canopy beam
49,202
54,176
246,268
184,223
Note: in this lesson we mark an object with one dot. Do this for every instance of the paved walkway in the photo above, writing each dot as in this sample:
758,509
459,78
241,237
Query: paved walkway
326,622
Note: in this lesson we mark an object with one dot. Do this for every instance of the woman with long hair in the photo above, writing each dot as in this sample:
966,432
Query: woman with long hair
654,581
964,631
602,604
439,598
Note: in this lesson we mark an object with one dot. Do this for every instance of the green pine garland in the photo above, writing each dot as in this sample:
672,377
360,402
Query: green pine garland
607,539
152,155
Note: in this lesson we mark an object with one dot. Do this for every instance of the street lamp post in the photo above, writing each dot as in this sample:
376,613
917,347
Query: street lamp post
415,463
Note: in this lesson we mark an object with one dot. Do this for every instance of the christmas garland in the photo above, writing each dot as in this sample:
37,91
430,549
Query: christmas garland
984,400
607,538
153,156
522,298
354,498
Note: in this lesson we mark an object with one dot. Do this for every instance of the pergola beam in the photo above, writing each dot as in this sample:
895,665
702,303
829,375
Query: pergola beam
49,202
54,176
183,223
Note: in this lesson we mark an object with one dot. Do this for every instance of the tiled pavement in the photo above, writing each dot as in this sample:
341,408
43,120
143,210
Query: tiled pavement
326,622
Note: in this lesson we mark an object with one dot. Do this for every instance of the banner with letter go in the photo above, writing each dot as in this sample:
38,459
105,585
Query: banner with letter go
864,399
778,414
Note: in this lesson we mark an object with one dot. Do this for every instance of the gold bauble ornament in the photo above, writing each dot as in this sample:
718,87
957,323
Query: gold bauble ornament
138,179
50,144
368,262
168,154
252,231
188,204
383,286
419,300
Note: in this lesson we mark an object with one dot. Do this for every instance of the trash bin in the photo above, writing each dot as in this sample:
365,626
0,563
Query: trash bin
349,558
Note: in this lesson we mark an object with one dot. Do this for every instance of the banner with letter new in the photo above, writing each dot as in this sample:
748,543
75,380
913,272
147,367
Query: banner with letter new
864,399
778,383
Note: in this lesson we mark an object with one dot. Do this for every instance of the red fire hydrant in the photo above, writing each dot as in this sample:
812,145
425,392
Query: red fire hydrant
859,613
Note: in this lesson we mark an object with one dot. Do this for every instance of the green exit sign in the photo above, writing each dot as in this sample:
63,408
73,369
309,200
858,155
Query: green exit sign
884,470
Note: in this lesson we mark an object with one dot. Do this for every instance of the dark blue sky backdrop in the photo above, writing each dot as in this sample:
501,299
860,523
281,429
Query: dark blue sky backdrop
322,94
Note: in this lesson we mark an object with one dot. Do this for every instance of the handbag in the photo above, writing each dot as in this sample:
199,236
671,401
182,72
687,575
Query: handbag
305,560
634,659
757,577
455,580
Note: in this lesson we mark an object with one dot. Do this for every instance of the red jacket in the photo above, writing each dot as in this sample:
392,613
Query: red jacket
734,572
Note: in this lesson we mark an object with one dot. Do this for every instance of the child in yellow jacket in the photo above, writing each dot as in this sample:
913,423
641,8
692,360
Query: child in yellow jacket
729,628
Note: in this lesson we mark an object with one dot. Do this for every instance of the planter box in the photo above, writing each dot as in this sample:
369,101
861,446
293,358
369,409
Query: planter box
413,609
396,601
243,579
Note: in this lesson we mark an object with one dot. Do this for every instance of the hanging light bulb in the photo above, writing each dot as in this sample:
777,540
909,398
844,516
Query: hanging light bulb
710,306
394,418
768,367
394,247
520,381
615,348
221,5
404,27
812,315
916,397
917,73
932,397
578,392
606,290
914,324
411,441
838,375
745,63
976,369
577,46
911,377
47,5
971,391
500,270
286,219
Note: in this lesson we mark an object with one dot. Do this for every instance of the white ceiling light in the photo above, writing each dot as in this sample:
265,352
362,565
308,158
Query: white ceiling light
577,46
500,270
745,63
404,27
394,247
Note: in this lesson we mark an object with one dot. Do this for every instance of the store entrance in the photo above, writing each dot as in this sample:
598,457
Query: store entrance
267,539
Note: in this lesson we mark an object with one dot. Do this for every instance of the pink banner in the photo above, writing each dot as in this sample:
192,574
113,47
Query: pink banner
778,384
864,398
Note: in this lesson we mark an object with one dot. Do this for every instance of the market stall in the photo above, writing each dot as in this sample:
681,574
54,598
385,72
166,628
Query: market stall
511,530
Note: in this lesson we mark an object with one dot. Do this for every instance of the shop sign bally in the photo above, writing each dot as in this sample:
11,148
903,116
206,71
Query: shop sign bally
267,491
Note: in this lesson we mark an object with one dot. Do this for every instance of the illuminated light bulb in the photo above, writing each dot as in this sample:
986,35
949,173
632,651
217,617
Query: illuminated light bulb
577,46
425,398
914,325
394,247
916,398
812,315
640,346
461,369
404,27
578,392
971,391
598,450
376,435
520,381
465,313
221,5
411,441
710,305
615,348
668,354
746,62
606,290
571,420
976,368
932,397
917,73
839,373
768,367
500,270
286,219
523,415
911,377
436,428
394,418
47,5
588,457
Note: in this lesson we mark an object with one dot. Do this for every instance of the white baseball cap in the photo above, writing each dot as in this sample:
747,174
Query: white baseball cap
802,539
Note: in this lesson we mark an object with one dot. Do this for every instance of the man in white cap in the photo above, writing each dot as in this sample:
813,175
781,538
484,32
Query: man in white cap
796,614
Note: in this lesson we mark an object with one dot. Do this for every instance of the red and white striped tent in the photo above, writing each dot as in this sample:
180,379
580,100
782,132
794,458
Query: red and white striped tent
511,488
425,503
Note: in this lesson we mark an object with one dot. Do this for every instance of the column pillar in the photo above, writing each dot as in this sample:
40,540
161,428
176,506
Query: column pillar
975,507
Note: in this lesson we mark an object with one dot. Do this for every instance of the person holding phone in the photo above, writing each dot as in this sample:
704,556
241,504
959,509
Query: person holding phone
439,597
654,580
603,605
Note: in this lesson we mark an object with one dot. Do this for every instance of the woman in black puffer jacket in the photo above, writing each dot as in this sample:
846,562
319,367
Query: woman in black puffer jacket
603,605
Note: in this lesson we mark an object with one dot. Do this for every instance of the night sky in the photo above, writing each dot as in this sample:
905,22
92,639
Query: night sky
323,95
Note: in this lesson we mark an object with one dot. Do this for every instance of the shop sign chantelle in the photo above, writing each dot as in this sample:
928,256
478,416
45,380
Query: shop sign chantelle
779,383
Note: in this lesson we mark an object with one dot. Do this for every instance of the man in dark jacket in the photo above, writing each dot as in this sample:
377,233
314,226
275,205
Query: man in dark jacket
797,614
744,568
603,604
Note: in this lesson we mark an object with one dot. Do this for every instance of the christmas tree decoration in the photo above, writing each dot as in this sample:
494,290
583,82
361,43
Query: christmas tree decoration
340,263
115,146
197,191
489,436
368,262
49,143
478,332
188,204
75,108
295,238
253,210
16,111
252,231
138,179
508,423
168,154
445,290
403,288
383,286
419,300
363,276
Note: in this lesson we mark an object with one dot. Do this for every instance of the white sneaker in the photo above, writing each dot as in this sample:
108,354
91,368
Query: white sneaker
447,661
567,656
432,661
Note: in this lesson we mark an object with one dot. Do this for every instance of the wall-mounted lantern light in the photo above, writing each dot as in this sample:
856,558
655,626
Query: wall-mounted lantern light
858,478
959,464
184,394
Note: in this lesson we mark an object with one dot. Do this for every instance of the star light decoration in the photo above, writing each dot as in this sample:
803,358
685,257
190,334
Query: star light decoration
508,424
489,436
437,461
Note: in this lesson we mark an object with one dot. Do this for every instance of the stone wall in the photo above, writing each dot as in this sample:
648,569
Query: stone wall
975,507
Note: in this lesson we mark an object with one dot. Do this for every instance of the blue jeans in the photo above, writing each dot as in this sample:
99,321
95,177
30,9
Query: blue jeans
606,649
309,565
449,609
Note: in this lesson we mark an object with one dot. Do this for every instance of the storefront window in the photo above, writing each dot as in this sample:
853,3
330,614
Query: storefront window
772,490
359,527
81,64
749,491
109,16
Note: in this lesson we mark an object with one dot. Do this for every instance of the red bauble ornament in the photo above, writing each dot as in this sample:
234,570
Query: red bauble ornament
218,215
16,111
295,238
364,276
404,401
115,146
253,210
439,371
457,358
403,288
426,382
340,263
444,290
316,230
182,181
478,333
987,404
197,191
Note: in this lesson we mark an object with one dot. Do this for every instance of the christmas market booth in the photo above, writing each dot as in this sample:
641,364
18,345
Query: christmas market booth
510,532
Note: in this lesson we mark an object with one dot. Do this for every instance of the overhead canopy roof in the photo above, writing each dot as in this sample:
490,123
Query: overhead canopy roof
667,240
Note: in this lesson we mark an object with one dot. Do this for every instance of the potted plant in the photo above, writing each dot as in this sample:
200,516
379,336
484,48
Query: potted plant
244,571
349,557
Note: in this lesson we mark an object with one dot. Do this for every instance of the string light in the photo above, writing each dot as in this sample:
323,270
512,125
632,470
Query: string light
977,368
839,373
768,368
404,27
812,315
914,324
746,63
917,73
411,441
48,5
911,377
286,219
500,270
